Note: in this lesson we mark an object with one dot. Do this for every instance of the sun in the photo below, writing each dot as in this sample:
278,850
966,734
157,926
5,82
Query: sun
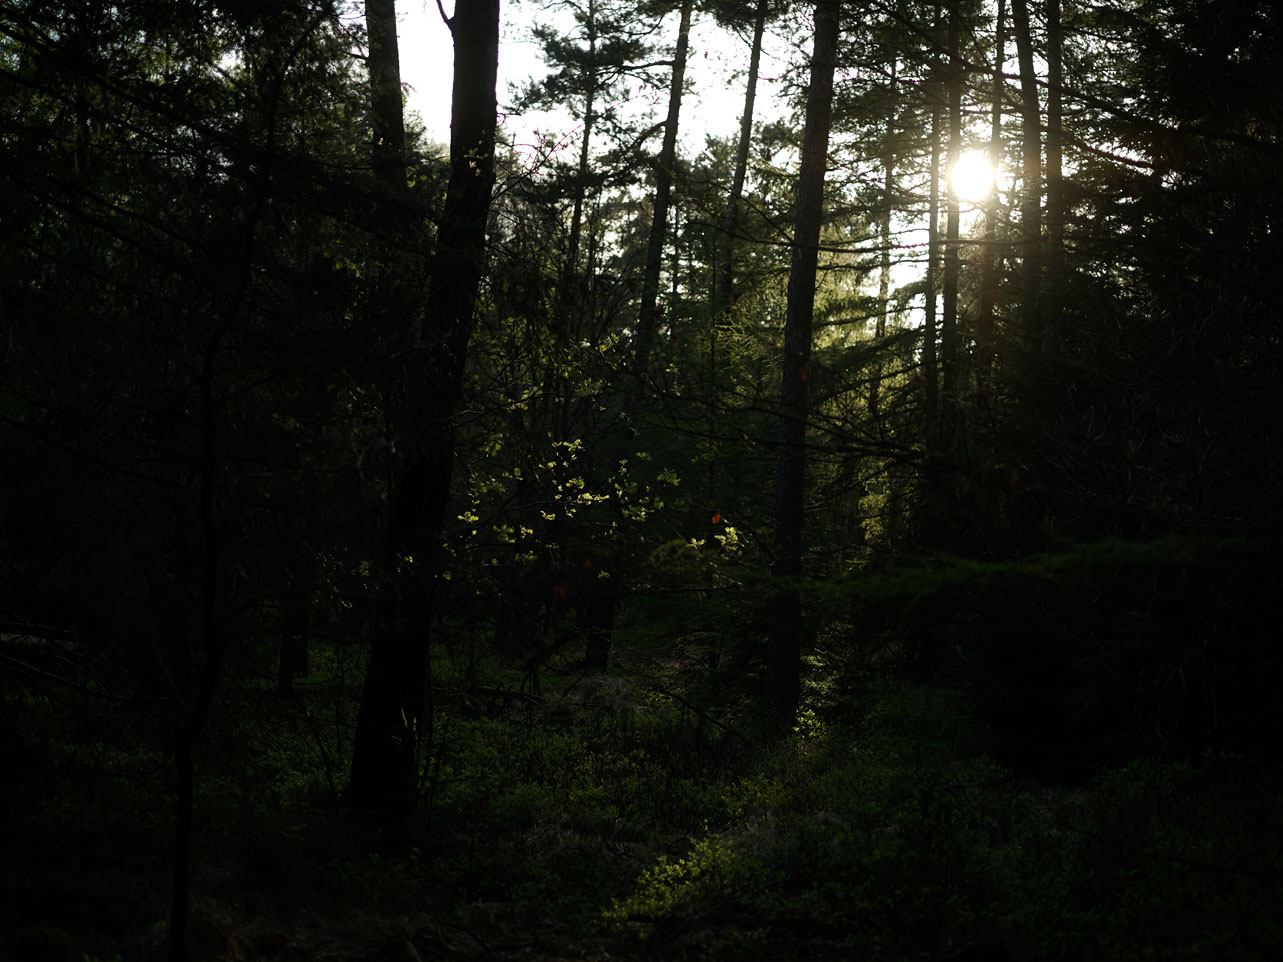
972,176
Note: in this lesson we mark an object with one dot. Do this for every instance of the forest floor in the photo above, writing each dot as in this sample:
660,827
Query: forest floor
616,819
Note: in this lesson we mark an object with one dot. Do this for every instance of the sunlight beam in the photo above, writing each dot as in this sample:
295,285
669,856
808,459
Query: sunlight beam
972,176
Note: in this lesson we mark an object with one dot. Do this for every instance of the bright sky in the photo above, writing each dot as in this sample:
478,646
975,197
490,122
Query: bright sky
714,105
427,60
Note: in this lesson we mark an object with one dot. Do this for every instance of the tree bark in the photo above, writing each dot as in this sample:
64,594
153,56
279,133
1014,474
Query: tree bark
384,67
783,670
884,239
949,333
567,324
581,175
724,285
990,263
724,261
395,715
646,315
1031,187
930,375
197,689
1055,252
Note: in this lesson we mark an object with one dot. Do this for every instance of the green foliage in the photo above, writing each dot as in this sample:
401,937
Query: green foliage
881,827
895,840
713,869
1038,649
1083,657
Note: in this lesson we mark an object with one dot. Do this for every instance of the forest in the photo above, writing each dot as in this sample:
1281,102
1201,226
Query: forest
848,539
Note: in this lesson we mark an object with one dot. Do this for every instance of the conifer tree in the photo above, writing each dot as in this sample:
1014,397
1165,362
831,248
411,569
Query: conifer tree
665,165
784,640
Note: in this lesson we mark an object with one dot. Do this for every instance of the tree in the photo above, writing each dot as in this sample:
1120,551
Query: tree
724,280
1055,241
889,193
177,181
395,716
588,69
1031,183
950,336
990,265
664,167
785,629
930,354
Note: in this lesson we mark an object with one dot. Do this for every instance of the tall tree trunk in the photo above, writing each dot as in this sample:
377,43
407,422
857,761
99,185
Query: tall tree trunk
724,269
724,256
930,376
1055,181
581,175
180,896
568,321
884,240
949,334
384,66
784,641
394,714
1031,187
646,315
990,264
201,679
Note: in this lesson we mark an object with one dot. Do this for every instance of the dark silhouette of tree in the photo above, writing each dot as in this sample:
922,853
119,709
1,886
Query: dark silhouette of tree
589,67
990,263
662,199
169,260
724,281
785,631
1054,254
950,335
395,716
1031,183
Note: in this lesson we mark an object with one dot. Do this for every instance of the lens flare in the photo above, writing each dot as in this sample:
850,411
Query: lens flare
972,176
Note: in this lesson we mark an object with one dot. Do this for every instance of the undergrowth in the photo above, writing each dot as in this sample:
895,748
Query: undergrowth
894,839
627,821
